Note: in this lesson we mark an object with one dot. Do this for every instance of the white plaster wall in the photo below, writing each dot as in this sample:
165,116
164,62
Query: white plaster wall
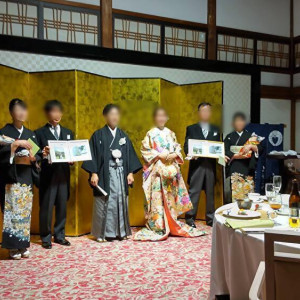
266,16
276,111
189,10
275,79
296,17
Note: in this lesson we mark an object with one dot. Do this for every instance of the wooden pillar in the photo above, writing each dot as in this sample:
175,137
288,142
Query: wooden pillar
106,24
212,30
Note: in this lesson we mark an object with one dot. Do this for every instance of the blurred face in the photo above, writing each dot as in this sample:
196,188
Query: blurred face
19,113
160,118
239,124
204,114
54,115
113,118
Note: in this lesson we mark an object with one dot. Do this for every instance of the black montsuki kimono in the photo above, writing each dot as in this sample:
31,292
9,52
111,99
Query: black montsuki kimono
103,163
242,166
18,180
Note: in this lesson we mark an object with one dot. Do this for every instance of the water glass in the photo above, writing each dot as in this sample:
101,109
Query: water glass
277,182
270,192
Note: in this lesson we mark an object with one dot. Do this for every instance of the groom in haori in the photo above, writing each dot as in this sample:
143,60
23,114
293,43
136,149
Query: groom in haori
111,170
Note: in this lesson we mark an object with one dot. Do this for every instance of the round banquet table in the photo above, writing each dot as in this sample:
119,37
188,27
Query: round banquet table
235,256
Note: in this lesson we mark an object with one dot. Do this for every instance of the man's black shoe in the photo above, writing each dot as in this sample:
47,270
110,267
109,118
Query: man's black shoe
191,223
46,245
63,242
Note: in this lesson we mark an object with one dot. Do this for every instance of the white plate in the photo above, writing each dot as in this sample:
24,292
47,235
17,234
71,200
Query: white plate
233,213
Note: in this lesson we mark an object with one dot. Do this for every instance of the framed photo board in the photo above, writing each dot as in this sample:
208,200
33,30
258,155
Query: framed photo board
69,151
204,148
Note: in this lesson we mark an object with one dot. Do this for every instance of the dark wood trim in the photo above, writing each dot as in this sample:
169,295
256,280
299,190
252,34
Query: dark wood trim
106,24
293,124
296,93
46,47
212,30
76,4
275,92
270,258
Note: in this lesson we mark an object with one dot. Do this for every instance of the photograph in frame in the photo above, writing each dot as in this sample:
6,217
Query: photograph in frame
204,148
59,151
80,150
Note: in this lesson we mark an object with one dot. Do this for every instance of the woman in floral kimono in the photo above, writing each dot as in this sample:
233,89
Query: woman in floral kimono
165,191
17,165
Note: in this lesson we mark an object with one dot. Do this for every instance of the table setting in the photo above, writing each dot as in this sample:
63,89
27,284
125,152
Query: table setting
238,238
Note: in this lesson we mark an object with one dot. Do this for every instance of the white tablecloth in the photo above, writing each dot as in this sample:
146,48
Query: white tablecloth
235,257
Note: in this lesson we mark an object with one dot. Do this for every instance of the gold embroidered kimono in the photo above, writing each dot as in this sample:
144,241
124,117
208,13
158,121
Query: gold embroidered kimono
165,192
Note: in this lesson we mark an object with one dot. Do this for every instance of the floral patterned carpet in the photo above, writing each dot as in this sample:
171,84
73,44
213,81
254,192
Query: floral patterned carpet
178,268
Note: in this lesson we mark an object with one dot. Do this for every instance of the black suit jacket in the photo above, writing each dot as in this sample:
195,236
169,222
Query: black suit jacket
195,132
43,135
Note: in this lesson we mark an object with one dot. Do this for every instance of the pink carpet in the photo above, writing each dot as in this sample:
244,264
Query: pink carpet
178,268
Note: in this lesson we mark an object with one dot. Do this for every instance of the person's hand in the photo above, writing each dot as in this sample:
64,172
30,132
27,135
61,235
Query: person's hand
94,179
171,157
22,144
239,156
227,159
246,149
130,179
31,157
46,151
163,156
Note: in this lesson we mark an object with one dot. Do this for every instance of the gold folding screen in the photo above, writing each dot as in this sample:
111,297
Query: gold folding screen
84,95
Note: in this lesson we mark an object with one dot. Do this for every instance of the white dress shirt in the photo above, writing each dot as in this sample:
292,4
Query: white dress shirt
20,130
52,129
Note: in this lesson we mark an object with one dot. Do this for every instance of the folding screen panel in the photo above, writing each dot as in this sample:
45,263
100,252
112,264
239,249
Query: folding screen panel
84,95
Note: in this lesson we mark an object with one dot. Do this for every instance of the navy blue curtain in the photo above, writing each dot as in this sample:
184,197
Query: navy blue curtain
266,167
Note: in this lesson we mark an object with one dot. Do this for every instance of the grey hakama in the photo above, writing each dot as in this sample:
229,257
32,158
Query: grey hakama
110,213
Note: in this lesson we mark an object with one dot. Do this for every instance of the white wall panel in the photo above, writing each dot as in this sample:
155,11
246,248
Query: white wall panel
266,16
275,79
189,10
296,17
275,111
297,80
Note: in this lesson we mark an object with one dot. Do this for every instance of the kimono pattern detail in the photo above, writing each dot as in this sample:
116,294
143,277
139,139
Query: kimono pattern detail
241,186
17,212
166,196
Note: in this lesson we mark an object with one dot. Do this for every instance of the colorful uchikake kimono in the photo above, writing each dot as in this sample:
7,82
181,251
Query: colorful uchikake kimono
16,189
165,191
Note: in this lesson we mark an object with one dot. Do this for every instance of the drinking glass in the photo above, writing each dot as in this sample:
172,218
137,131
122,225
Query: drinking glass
270,192
277,182
275,202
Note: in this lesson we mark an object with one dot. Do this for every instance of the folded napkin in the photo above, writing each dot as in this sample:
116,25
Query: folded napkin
258,223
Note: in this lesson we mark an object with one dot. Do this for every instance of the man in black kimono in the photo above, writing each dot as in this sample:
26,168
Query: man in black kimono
202,171
239,162
55,178
113,164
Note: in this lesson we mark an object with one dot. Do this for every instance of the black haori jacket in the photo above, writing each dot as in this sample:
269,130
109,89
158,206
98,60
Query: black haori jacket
101,144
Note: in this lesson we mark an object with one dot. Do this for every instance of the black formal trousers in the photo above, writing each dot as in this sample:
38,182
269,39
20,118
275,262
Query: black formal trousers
203,178
54,194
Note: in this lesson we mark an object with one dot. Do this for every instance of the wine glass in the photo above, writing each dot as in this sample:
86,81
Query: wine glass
277,182
270,192
275,202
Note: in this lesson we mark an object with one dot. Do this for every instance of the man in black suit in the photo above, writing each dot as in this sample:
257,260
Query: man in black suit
202,171
54,179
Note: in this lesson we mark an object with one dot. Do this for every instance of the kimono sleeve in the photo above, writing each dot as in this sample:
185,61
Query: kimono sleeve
227,145
133,163
91,166
177,149
150,155
5,154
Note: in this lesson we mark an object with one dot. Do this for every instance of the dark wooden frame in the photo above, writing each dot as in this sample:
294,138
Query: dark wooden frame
270,258
28,45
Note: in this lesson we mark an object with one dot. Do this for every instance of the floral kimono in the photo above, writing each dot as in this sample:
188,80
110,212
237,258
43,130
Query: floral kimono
165,192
